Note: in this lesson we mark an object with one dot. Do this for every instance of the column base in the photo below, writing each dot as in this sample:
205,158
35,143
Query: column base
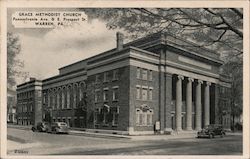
130,130
189,128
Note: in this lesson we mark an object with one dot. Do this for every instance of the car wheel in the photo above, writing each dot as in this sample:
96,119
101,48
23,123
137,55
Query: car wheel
33,129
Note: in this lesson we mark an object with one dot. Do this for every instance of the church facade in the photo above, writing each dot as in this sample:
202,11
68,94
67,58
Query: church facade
158,82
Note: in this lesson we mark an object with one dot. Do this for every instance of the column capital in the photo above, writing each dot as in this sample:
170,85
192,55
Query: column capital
169,74
190,79
200,81
208,83
180,77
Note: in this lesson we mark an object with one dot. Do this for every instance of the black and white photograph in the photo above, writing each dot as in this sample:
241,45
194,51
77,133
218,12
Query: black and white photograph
125,80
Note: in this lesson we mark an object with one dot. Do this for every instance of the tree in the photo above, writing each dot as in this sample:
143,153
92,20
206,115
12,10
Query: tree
216,29
14,65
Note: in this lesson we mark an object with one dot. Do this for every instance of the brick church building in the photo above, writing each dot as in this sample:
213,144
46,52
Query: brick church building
159,81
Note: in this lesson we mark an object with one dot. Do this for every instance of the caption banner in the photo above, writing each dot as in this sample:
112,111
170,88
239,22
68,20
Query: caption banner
46,19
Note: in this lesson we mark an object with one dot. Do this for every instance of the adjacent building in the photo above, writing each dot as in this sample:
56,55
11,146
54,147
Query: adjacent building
29,102
158,82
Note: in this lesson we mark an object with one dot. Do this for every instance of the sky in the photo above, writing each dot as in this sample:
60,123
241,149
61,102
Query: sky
44,51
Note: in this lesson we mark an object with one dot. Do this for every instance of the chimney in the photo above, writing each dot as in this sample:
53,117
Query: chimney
119,41
32,79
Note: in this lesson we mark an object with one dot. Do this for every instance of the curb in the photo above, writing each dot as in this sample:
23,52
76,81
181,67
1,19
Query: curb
99,135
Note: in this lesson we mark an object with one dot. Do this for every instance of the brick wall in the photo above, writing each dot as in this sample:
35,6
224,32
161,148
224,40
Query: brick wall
123,98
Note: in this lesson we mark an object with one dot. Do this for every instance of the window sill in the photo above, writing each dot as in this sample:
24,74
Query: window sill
144,125
105,125
115,100
144,100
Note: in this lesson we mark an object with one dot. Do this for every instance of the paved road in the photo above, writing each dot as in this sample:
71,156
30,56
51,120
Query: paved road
23,142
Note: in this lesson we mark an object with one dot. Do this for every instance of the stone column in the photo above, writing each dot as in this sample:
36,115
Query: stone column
207,103
168,108
178,108
198,105
189,104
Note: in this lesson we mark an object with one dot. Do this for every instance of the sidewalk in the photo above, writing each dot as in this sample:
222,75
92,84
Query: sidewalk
181,135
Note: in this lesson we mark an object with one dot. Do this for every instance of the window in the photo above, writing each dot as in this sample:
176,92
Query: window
97,78
138,73
115,94
144,74
115,119
105,114
105,95
54,101
63,98
144,117
75,96
58,100
144,94
138,112
150,94
115,74
138,92
105,77
97,95
150,75
68,98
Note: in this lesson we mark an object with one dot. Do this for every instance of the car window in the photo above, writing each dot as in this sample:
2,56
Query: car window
62,124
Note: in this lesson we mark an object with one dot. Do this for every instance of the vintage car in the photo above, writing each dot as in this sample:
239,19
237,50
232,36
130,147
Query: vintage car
211,131
40,127
59,127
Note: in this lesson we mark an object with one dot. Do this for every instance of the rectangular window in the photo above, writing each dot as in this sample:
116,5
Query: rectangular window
105,95
115,74
138,73
105,77
144,74
97,78
115,94
141,119
144,94
97,95
138,92
149,119
150,94
115,119
150,75
137,117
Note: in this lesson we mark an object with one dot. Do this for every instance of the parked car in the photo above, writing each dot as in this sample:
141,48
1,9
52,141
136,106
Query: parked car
59,127
211,131
41,127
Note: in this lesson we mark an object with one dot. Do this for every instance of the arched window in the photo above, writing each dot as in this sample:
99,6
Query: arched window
63,98
81,90
68,96
58,98
75,89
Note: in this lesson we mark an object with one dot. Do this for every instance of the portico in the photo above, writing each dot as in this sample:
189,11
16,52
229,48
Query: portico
190,103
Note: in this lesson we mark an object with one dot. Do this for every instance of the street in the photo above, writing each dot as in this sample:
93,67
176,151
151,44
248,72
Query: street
26,142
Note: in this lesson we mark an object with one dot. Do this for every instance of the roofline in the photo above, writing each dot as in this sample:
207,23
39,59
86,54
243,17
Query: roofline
134,41
29,82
